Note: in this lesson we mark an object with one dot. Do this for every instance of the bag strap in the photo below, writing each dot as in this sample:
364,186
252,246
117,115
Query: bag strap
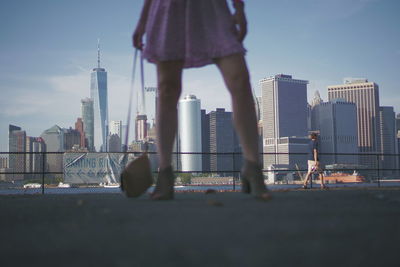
131,96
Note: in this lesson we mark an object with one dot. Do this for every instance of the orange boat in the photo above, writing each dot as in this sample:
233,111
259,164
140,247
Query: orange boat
340,177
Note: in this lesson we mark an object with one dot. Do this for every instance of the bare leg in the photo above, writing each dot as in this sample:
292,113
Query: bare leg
169,75
306,179
321,177
236,76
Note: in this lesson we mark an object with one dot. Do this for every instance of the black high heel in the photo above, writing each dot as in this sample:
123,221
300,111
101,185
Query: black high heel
253,181
165,185
245,186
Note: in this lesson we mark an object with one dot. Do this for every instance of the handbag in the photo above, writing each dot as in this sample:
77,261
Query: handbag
136,176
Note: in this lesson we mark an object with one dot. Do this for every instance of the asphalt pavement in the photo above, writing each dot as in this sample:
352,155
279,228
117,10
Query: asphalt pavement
337,227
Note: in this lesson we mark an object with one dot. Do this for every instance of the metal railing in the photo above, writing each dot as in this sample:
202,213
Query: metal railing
50,167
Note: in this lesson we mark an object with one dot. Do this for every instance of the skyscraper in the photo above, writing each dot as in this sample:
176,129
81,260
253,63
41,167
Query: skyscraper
72,138
205,140
223,139
190,133
141,127
98,92
388,140
16,143
366,97
284,113
88,122
116,128
336,122
80,128
54,141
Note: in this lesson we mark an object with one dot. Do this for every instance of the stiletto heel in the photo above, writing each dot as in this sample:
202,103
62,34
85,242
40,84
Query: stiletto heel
165,185
245,186
253,177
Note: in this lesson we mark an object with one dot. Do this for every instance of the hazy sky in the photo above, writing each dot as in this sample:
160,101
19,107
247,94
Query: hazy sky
48,48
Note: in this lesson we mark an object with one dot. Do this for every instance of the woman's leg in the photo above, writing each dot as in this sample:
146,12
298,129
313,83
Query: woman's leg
236,76
169,76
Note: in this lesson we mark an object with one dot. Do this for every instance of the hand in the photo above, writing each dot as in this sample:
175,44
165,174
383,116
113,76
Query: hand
137,37
240,24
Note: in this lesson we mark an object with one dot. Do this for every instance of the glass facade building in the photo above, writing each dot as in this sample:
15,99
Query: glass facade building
88,122
98,92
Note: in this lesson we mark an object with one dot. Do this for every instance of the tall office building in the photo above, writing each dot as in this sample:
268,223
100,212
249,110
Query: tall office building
366,97
114,143
223,139
398,124
151,96
54,141
141,127
116,127
189,126
336,122
116,130
388,140
205,140
284,112
35,159
98,92
88,122
80,128
72,138
16,143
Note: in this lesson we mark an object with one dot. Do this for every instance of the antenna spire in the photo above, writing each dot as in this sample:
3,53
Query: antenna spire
98,53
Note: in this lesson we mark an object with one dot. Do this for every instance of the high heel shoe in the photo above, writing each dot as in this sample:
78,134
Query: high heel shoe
253,181
245,185
165,185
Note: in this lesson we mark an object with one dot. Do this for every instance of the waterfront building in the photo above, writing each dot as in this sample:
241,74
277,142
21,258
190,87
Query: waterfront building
88,122
336,122
35,157
72,138
80,128
223,139
54,141
389,162
141,127
98,92
366,97
205,140
3,162
189,128
114,143
16,143
116,128
284,113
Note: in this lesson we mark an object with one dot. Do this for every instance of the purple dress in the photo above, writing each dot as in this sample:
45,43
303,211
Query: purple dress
195,31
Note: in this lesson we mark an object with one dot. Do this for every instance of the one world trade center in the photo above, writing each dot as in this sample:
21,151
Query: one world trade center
98,93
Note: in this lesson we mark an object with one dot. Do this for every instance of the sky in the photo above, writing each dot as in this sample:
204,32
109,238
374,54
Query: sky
48,48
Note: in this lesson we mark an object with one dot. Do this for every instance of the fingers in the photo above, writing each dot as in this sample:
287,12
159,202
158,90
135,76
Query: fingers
241,25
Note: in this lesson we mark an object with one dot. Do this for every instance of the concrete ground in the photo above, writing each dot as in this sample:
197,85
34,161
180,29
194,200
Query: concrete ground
337,227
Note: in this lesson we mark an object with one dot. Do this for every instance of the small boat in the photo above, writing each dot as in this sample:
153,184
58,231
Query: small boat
340,177
32,185
111,185
62,185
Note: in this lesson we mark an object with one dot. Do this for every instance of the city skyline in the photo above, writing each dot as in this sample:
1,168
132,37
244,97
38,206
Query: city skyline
40,84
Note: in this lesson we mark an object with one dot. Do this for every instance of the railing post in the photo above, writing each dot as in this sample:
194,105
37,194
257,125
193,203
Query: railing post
43,173
378,165
234,170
